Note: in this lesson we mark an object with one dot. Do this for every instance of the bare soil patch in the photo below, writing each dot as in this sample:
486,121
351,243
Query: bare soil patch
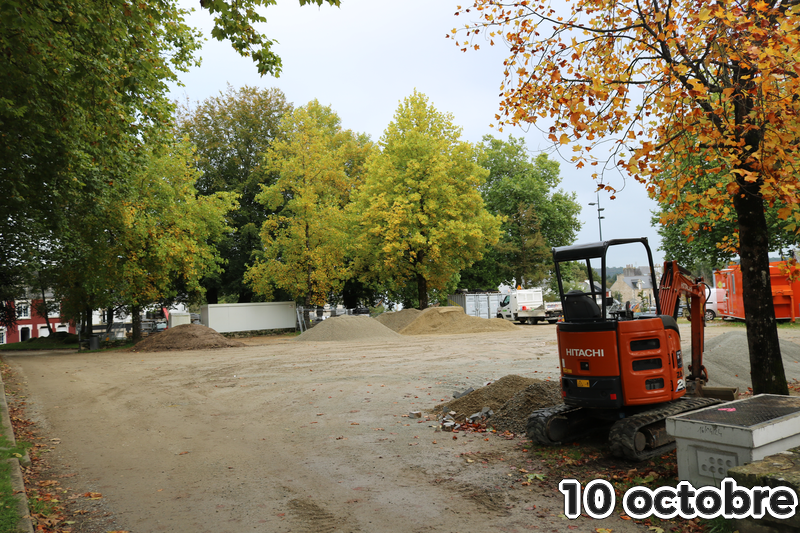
185,337
304,436
511,398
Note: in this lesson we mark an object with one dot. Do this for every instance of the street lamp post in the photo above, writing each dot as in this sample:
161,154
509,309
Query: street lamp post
599,218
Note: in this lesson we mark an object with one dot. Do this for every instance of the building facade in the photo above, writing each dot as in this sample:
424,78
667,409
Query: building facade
31,325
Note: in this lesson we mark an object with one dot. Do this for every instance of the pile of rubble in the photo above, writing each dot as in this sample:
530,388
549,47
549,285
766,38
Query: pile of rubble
504,404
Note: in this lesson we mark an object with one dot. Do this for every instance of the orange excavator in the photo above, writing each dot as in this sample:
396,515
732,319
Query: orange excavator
620,370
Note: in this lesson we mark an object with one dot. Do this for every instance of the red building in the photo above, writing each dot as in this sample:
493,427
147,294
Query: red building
31,325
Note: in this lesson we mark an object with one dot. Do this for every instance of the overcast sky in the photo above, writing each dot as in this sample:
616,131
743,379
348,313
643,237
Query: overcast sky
363,58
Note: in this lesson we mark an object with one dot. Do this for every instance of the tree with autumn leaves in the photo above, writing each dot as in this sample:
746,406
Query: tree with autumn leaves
407,213
306,237
420,216
669,82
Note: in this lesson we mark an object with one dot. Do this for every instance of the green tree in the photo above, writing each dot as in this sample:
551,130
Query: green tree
234,21
537,216
232,132
77,98
166,233
158,238
306,237
421,215
704,241
83,86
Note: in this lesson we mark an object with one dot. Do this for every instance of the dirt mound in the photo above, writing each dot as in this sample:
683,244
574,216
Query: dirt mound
513,416
397,320
512,398
452,320
349,328
185,337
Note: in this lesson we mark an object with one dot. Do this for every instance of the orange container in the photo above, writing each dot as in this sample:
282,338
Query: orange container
785,294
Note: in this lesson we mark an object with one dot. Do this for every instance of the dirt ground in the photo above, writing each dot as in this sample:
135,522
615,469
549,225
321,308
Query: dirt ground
287,436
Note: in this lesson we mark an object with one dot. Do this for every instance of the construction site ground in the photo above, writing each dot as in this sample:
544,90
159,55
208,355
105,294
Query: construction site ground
280,435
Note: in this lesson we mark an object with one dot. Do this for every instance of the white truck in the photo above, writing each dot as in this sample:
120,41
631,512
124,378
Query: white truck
553,311
525,306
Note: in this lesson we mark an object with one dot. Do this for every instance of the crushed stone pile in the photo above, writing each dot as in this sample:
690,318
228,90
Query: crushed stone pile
512,398
727,359
349,328
453,320
397,320
513,416
185,337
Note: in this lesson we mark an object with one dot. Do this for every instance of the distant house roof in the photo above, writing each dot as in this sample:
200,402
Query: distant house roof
638,282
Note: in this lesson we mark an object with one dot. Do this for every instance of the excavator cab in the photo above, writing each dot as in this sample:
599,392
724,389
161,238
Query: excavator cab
609,357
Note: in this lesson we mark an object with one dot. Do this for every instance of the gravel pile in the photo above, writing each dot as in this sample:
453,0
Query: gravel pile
495,395
727,359
513,416
452,320
348,328
185,337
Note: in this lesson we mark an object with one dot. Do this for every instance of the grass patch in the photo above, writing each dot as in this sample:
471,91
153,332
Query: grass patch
56,341
8,503
115,348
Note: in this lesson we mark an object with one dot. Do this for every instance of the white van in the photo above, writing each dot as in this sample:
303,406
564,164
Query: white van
524,306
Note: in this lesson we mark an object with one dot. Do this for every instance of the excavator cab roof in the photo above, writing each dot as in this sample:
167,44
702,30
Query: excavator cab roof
585,253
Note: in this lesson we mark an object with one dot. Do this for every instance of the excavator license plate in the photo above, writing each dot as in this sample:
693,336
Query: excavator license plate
583,383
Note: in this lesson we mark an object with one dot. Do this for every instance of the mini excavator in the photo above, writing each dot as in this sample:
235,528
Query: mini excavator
625,371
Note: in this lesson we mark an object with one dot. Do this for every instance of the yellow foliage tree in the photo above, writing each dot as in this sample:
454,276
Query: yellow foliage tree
305,241
421,217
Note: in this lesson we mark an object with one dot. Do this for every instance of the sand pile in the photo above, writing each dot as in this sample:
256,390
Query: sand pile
349,328
185,337
453,320
727,359
397,320
510,397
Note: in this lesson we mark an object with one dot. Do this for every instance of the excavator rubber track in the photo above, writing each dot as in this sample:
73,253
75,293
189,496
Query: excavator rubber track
627,436
636,437
570,422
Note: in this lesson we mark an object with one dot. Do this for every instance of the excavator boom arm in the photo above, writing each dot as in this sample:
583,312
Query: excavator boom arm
676,282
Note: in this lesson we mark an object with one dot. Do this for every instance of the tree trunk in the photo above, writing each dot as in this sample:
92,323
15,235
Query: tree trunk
307,311
422,291
136,317
109,319
766,364
89,324
44,306
212,295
